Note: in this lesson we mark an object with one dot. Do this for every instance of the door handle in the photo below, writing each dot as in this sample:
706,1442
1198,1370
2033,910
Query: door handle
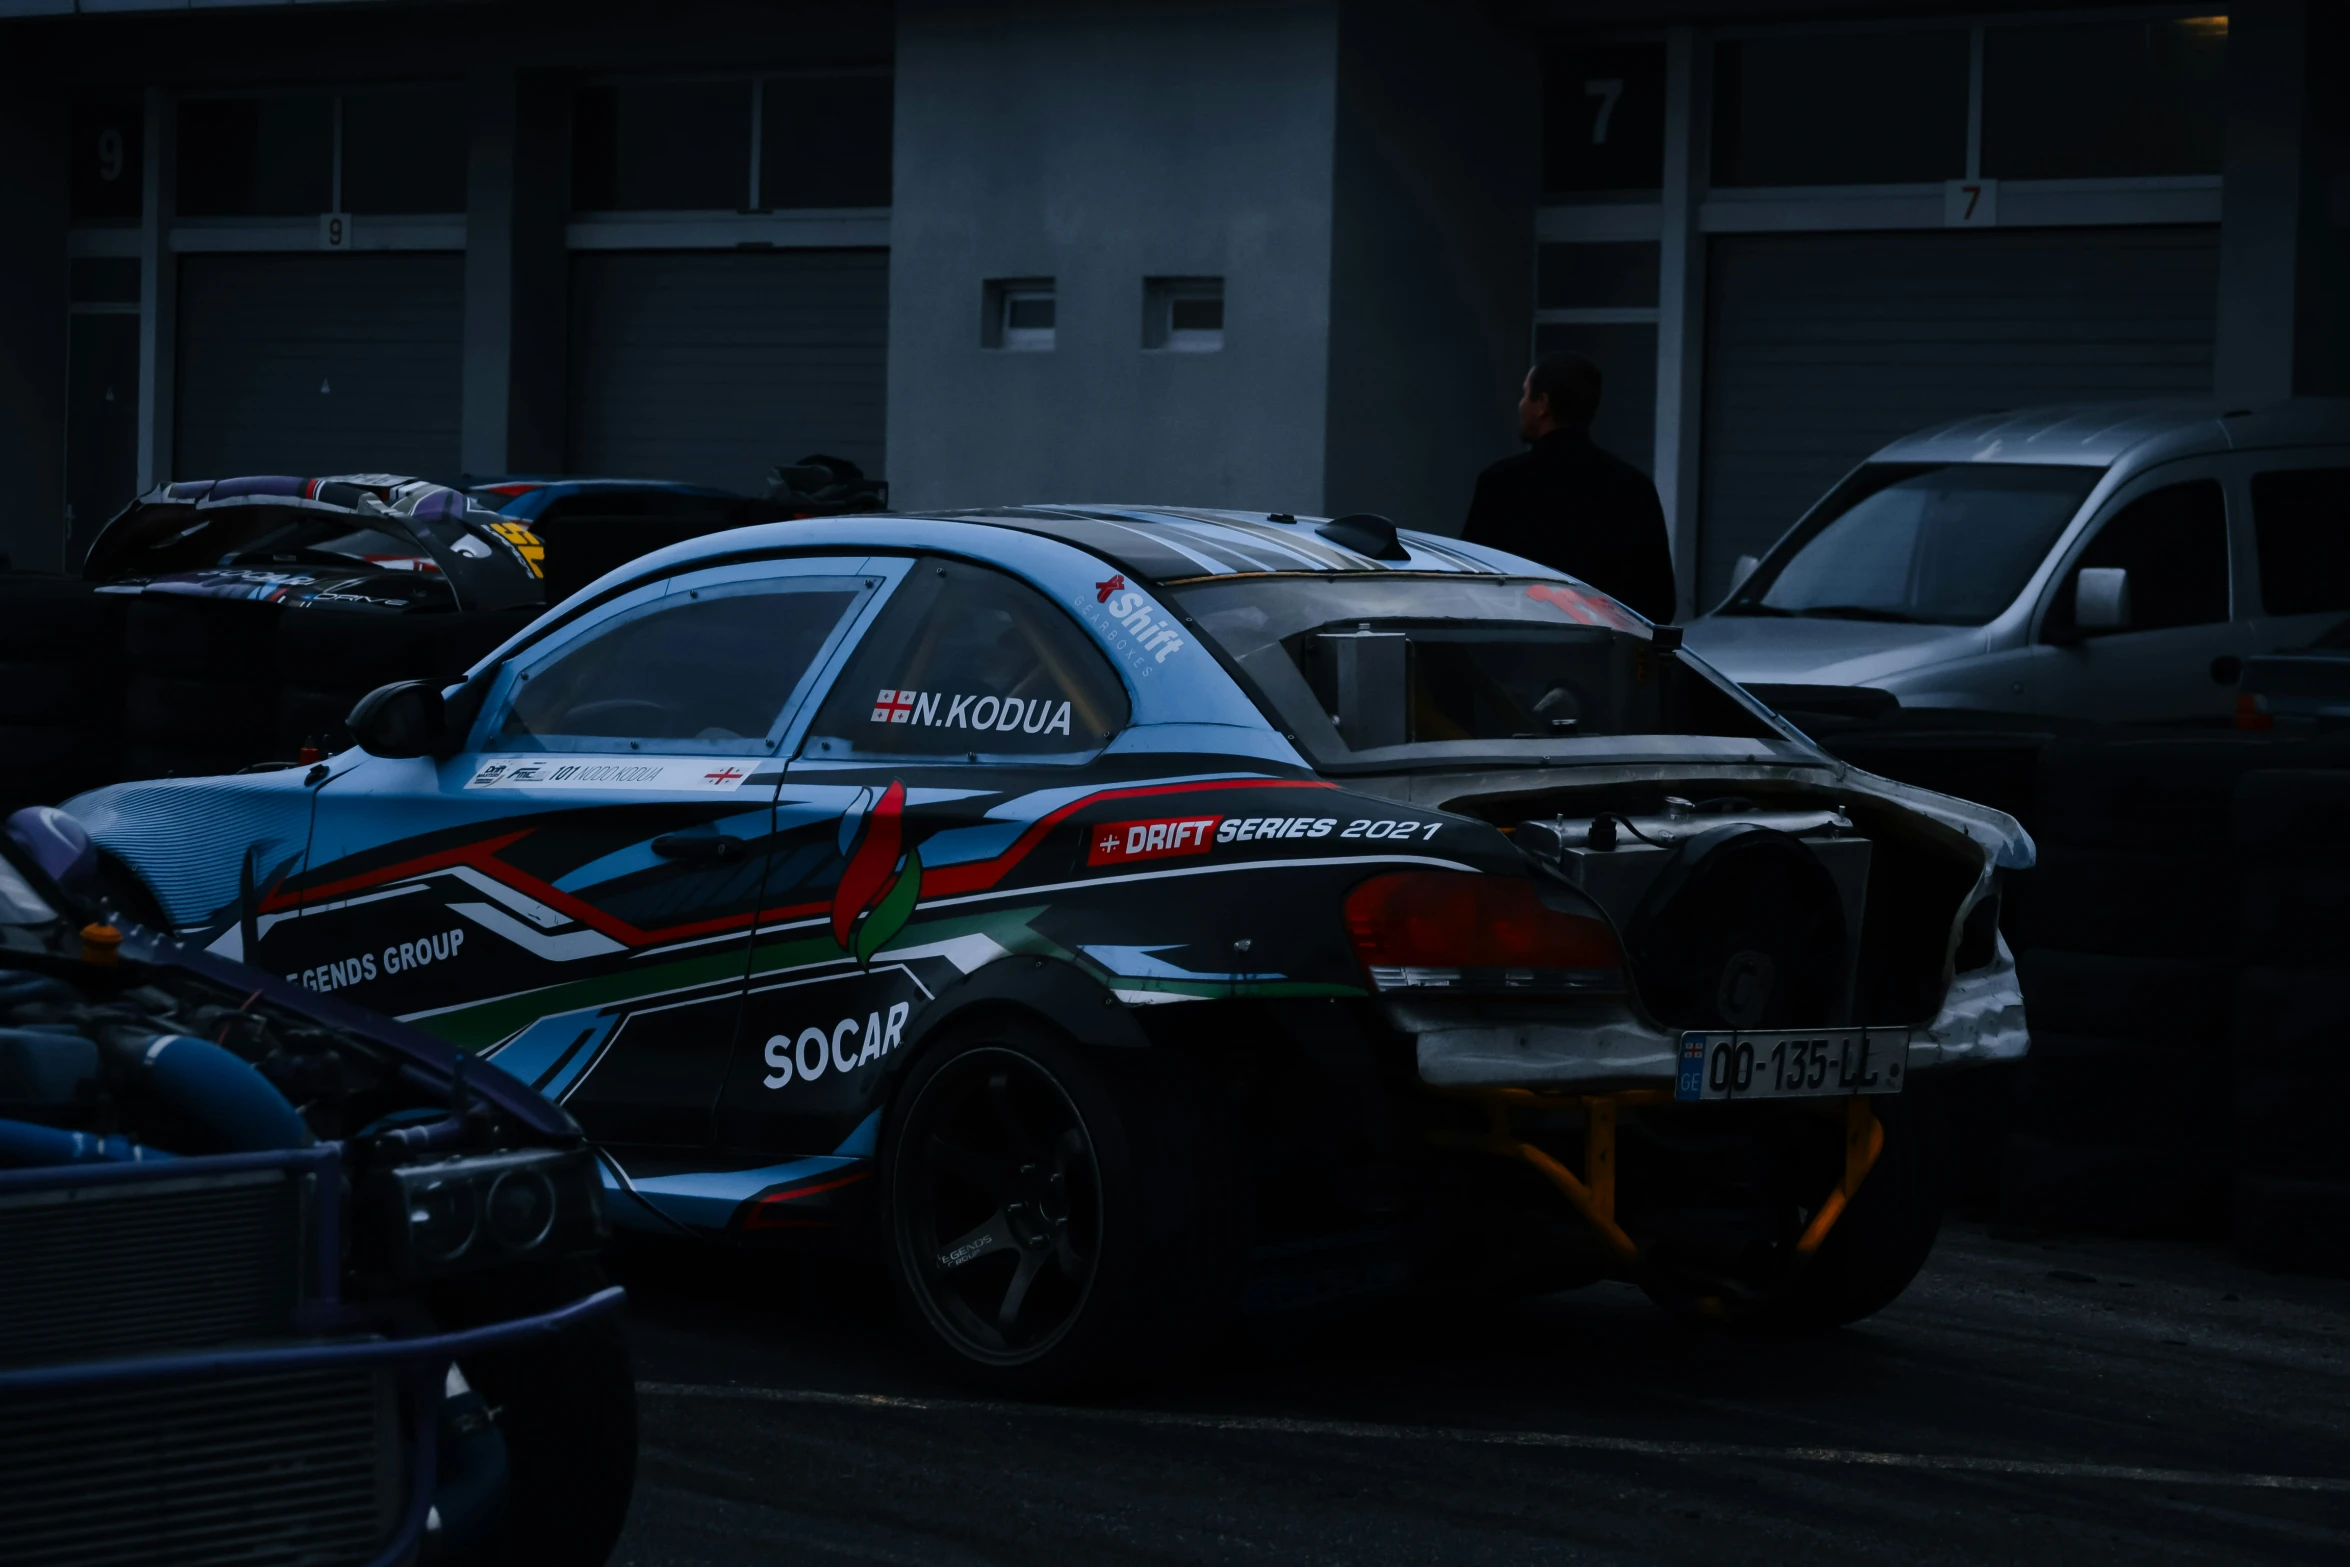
2227,669
699,848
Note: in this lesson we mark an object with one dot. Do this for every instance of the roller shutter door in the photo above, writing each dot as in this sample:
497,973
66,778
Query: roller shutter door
1822,347
316,364
714,366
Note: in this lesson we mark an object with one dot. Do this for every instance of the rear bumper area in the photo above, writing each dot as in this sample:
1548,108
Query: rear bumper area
1607,1047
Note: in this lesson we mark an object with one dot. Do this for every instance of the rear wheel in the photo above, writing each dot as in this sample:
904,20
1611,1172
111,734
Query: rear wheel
1056,1219
1885,1235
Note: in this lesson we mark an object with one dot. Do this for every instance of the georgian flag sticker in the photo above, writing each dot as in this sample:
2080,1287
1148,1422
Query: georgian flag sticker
945,710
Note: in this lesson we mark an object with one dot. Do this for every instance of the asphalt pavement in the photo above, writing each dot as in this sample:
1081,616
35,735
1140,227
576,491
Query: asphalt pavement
2028,1400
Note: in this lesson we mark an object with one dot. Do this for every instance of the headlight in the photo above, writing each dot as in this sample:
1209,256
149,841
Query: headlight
480,1211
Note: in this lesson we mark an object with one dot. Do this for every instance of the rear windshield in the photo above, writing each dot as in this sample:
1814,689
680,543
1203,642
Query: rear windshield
1437,666
1947,544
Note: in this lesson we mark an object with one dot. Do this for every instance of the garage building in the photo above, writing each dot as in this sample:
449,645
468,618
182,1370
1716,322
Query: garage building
1286,255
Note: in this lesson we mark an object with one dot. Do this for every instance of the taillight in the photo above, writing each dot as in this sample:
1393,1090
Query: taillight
1460,932
2252,711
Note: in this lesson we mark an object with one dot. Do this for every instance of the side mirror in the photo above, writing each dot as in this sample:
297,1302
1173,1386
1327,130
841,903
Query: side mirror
1742,570
405,718
2101,598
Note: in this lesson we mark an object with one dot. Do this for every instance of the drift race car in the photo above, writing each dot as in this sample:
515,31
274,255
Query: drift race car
1122,916
280,1280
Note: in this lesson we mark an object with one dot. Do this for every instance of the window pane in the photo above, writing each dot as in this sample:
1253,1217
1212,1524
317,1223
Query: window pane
1603,117
2103,99
104,176
661,147
2301,521
256,157
825,142
711,674
404,150
969,663
1581,277
2174,545
1840,109
1626,356
1943,544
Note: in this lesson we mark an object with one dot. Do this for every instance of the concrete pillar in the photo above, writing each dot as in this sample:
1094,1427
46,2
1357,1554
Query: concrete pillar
2284,291
1099,146
1438,141
32,328
516,272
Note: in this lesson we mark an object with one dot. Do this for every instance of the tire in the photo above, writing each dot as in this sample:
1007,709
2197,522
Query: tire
44,764
145,759
67,695
311,717
2161,1001
2292,813
52,620
2119,1190
202,715
1112,1195
2290,1123
2133,903
1886,1233
567,1411
2122,1093
2122,788
2291,1017
352,649
197,638
2295,913
2294,1226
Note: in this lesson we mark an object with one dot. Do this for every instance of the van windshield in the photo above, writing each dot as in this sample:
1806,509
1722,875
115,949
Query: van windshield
1418,666
1947,544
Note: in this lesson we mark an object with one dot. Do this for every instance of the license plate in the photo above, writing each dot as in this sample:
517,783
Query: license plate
1821,1063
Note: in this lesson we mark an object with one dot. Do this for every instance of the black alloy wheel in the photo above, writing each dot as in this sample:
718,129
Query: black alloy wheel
997,1215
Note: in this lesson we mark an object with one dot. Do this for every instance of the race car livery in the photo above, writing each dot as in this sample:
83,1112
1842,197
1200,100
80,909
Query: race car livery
755,845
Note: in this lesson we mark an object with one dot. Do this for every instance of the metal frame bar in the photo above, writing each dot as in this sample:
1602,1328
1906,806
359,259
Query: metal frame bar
435,1348
158,289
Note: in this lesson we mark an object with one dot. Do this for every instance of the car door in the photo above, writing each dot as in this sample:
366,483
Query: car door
2178,654
2301,544
573,893
972,697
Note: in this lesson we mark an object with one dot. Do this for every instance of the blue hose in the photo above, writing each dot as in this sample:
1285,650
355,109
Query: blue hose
242,1110
24,1144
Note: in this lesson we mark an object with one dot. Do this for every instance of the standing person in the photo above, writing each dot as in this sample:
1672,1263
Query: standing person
1571,506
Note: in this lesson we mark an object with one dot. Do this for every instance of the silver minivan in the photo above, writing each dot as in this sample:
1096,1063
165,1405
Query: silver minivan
2110,561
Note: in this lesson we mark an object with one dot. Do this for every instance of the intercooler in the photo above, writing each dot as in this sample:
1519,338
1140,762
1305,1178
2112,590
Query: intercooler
100,1268
122,1267
300,1469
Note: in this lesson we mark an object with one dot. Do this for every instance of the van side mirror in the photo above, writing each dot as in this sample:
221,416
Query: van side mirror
405,718
2101,598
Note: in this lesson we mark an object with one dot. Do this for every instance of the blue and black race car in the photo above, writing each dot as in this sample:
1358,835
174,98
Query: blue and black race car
1118,917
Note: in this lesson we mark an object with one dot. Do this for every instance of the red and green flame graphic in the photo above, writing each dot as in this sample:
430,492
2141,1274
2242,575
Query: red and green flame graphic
879,882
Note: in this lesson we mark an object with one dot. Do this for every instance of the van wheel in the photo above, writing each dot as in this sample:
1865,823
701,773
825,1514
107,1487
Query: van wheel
1056,1220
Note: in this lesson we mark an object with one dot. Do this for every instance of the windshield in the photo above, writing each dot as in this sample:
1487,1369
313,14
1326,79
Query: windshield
1357,664
1947,544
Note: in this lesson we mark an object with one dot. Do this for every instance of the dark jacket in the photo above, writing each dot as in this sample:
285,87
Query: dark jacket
1574,508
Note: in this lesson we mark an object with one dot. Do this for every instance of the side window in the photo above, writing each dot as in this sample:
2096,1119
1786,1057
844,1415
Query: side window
2174,544
2301,524
967,663
706,670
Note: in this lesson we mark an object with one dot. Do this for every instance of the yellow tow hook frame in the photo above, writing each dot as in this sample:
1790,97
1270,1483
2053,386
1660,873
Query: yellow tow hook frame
1593,1194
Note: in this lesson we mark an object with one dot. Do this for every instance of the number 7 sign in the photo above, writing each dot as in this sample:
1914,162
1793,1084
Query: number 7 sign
1970,204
